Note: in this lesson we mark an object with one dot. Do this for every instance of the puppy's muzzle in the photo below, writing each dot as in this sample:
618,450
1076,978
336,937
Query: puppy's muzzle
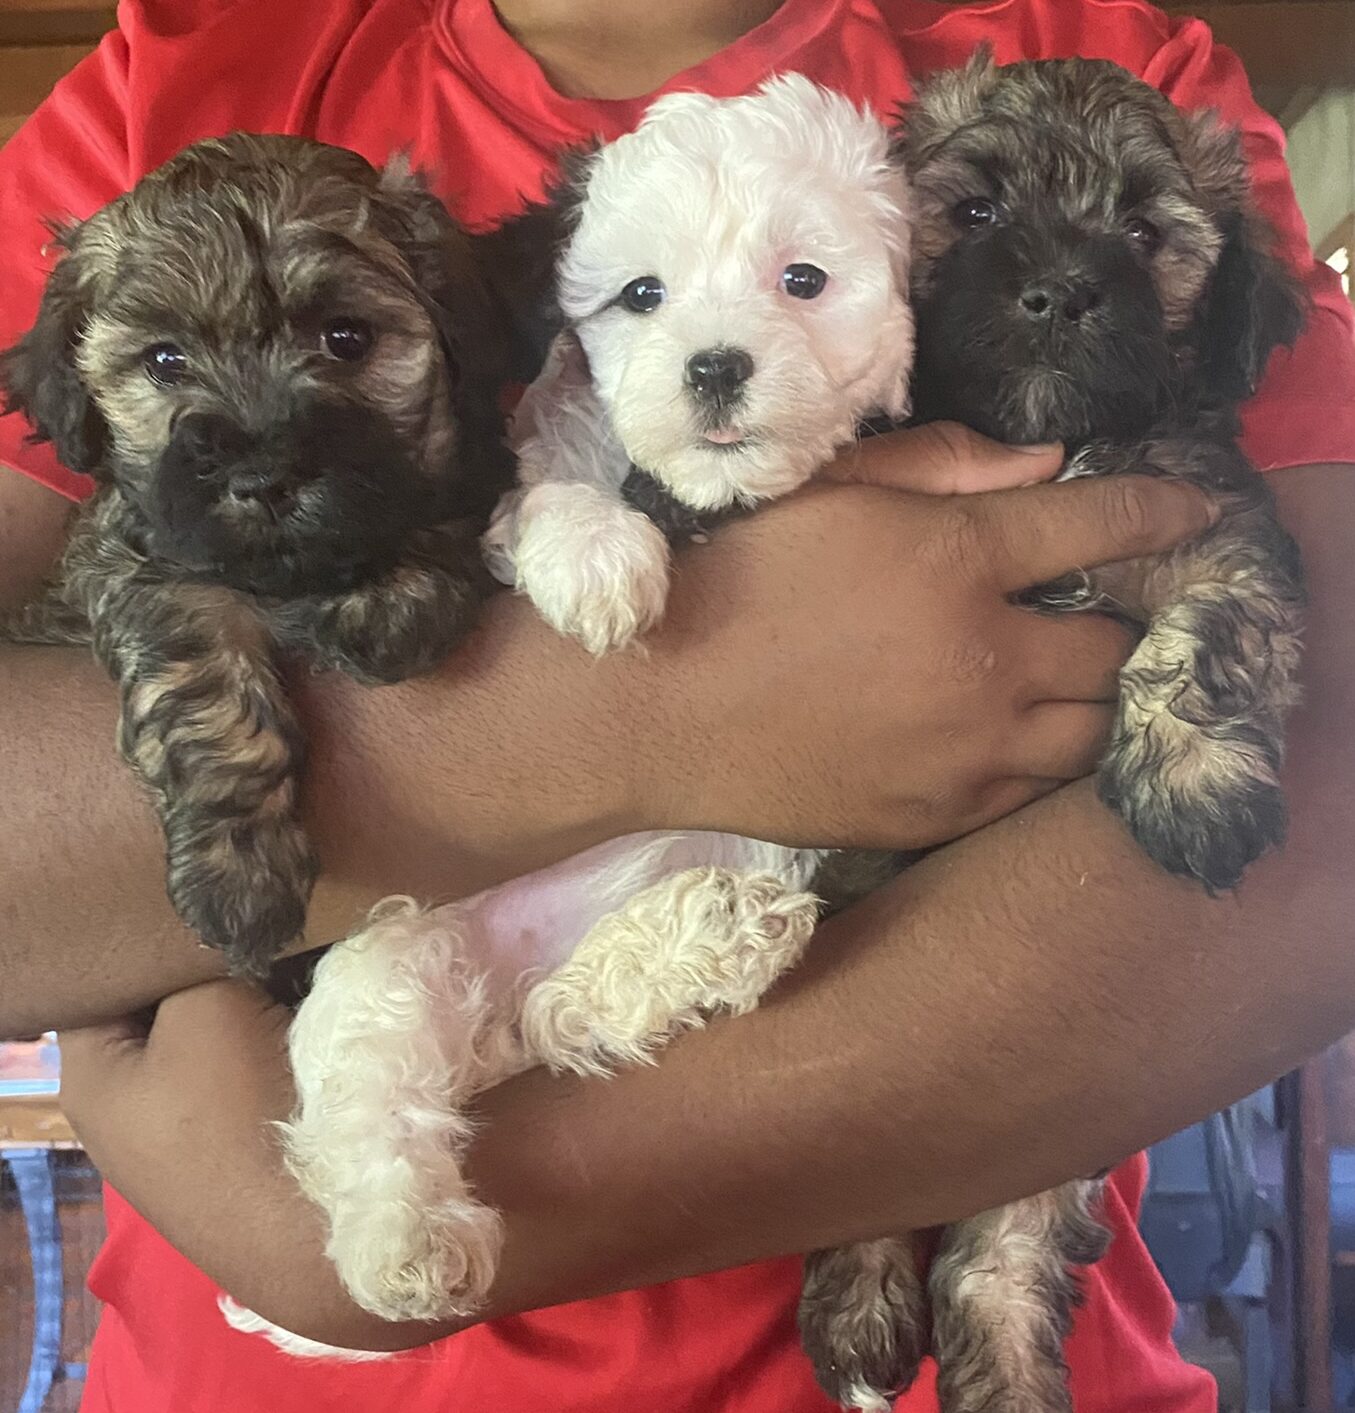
717,376
1059,300
265,467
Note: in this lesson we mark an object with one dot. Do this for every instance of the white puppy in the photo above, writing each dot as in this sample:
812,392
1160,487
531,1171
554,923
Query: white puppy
735,295
734,287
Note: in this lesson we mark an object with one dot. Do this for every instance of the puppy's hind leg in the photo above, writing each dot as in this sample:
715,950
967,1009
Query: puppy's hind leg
1003,1294
395,1037
703,941
863,1321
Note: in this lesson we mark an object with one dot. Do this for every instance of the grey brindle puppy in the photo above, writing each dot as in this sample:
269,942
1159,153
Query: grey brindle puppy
280,366
1088,269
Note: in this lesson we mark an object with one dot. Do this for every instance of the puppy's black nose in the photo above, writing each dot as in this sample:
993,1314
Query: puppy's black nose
220,451
1066,299
717,374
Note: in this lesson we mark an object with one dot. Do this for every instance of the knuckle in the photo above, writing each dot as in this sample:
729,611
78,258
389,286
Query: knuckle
1130,510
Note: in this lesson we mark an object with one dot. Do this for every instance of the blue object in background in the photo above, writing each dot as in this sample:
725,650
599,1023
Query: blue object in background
1212,1223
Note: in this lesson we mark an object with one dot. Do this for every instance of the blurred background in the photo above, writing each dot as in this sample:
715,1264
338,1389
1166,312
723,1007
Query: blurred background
1251,1215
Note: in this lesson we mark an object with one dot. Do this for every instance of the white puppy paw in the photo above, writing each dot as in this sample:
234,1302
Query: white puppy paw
595,569
417,1263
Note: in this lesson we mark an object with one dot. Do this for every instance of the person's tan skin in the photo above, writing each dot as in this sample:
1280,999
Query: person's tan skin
846,670
1033,1002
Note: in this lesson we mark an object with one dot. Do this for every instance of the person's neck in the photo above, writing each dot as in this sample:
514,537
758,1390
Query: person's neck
625,48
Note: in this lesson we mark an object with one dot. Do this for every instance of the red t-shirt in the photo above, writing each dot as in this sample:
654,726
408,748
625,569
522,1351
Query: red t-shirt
443,79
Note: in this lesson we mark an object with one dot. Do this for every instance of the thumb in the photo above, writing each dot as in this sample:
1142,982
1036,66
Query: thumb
943,458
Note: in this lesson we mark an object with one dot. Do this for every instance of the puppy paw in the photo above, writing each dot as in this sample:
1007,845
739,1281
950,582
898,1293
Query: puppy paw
863,1321
595,569
397,627
703,941
1201,807
242,885
432,1263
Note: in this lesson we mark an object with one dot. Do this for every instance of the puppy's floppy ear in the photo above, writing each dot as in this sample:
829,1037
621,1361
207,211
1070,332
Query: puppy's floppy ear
1253,303
449,280
520,259
39,376
943,105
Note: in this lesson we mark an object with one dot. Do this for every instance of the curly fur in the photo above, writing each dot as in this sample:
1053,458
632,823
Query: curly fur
276,497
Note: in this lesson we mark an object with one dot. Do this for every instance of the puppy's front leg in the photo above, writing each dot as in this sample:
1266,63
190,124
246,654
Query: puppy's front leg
1003,1293
207,726
400,624
1193,767
595,567
703,941
47,620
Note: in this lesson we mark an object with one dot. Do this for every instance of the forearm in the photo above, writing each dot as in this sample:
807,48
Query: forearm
435,788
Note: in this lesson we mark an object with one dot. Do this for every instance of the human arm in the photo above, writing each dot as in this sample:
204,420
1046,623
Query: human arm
521,750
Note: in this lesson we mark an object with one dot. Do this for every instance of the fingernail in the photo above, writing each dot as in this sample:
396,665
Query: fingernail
1038,448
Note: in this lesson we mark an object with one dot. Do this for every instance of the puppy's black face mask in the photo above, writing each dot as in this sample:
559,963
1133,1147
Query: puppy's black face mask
1029,334
1085,261
314,502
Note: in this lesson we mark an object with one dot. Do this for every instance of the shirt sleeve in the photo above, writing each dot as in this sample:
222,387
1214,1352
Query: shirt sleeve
68,160
1304,412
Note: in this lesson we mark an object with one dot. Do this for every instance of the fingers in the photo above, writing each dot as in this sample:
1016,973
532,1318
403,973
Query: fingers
943,458
1027,537
1074,657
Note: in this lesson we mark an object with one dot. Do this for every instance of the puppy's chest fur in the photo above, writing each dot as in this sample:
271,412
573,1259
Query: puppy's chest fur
111,591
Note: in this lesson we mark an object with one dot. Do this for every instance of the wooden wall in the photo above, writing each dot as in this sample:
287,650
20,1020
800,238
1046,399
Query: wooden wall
39,41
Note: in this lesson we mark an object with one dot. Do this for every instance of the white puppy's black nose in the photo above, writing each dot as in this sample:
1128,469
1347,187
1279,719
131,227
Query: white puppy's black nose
1060,299
717,374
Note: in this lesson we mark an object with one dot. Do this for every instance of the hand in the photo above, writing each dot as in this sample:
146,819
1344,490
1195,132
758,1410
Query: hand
170,1111
846,667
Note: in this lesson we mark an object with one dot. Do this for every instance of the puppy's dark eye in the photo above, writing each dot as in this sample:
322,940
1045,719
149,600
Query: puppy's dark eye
643,296
803,281
974,212
166,364
348,340
1143,234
